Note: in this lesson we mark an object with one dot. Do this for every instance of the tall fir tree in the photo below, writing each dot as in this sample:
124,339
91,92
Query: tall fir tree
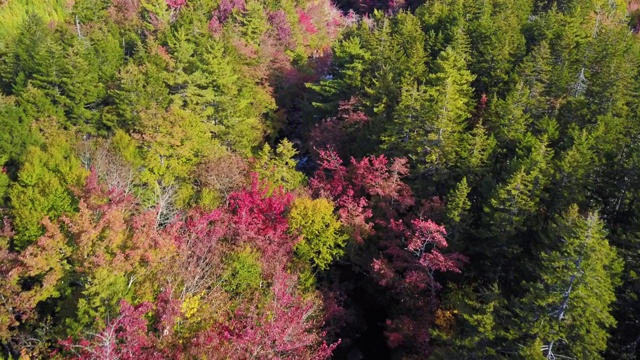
568,310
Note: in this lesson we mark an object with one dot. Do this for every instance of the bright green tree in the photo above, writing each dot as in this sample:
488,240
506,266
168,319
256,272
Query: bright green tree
458,202
516,200
243,272
568,309
450,96
322,239
44,188
278,168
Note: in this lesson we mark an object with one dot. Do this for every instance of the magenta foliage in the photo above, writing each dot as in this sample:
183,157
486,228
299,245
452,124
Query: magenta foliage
425,242
261,219
285,326
424,234
383,179
333,181
415,253
222,13
176,4
347,111
373,183
126,338
226,7
284,329
215,26
251,217
306,22
371,191
407,268
168,311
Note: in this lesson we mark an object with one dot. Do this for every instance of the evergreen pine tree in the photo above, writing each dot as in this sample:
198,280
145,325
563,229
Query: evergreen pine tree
568,309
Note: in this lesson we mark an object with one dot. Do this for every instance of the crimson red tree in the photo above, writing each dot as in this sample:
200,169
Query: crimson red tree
373,201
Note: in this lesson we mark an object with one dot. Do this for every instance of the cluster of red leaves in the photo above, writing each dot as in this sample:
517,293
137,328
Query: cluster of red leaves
332,181
325,17
368,184
261,221
200,251
416,257
226,7
126,338
426,240
282,330
187,256
222,13
306,22
281,27
370,194
252,218
407,267
131,335
176,4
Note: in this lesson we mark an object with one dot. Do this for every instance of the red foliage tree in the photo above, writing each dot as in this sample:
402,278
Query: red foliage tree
285,328
281,325
407,267
222,13
373,183
126,337
281,27
250,218
371,200
176,4
306,22
261,220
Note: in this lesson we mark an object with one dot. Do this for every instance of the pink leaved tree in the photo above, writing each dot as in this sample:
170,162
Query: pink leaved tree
260,219
126,337
176,4
368,185
407,267
373,201
275,323
223,12
306,22
285,328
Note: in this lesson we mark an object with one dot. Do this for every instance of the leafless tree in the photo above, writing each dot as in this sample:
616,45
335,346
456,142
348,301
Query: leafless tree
224,174
110,167
164,203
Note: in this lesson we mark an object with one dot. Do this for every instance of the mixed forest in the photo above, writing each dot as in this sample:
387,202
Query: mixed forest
302,179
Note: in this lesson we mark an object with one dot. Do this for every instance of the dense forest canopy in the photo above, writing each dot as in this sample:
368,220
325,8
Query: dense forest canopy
298,179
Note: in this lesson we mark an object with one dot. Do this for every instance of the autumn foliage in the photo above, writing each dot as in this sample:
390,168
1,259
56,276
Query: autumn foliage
373,203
